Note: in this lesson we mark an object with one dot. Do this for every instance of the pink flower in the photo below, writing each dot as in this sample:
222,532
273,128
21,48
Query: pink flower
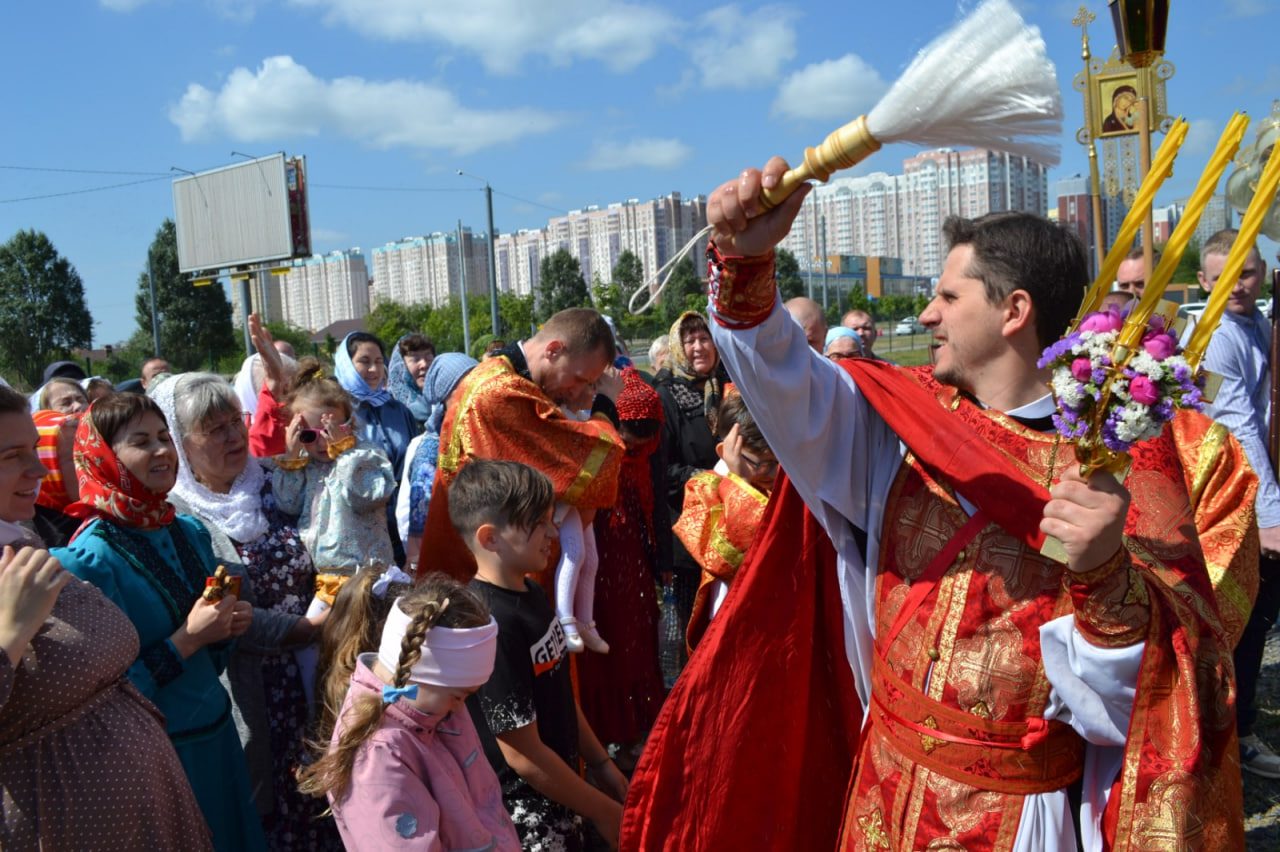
1102,321
1082,370
1159,345
1143,390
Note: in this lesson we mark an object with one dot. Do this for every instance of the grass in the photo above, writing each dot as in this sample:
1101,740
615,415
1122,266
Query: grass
907,350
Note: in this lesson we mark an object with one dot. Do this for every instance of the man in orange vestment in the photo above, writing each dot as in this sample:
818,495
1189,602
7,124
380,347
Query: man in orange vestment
1011,702
511,406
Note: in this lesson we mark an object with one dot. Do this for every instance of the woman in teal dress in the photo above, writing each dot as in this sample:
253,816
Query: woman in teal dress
152,563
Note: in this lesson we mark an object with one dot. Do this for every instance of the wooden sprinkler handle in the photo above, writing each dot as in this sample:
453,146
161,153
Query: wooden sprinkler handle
845,147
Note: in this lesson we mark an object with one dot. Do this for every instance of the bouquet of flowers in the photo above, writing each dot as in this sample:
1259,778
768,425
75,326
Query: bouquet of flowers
1112,396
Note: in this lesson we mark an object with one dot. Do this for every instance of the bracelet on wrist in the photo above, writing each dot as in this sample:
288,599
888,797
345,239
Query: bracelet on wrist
340,446
285,463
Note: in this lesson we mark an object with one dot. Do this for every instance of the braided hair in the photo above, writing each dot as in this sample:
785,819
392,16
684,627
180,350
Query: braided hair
437,600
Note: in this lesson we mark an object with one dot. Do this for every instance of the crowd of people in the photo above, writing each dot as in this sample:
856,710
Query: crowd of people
413,602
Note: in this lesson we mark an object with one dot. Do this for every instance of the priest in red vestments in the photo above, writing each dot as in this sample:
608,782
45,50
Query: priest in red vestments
512,407
1004,701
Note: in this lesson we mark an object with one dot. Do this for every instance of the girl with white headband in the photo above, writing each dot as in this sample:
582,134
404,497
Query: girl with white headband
405,767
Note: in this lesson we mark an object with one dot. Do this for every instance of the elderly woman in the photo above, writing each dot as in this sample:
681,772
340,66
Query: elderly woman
153,563
227,490
84,759
408,371
63,395
690,388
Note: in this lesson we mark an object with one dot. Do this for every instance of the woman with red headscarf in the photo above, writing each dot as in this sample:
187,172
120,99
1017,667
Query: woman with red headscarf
621,694
153,563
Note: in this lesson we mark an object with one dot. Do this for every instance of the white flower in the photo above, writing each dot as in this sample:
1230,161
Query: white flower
1066,389
1136,423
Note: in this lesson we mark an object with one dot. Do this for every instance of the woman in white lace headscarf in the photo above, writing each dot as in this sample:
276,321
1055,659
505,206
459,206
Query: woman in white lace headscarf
228,491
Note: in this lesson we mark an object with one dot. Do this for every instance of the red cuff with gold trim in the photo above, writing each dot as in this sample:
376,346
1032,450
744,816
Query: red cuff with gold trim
742,289
1111,602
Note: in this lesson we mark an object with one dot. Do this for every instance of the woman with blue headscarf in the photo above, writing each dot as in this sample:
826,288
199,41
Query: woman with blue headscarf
409,364
415,488
360,367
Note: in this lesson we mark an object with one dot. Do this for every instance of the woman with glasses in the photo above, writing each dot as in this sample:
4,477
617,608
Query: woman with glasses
228,491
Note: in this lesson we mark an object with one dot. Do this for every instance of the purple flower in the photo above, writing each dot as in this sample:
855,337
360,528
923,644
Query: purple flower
1057,350
1143,390
1082,370
1102,321
1160,345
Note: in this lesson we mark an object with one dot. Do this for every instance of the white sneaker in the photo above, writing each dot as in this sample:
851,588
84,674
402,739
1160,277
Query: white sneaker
1257,757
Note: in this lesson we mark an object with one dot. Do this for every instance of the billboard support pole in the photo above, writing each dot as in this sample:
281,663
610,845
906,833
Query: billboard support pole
247,304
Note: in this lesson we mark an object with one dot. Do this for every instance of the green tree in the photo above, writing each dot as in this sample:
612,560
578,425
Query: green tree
390,321
787,272
195,322
560,285
295,336
42,310
516,314
685,291
444,326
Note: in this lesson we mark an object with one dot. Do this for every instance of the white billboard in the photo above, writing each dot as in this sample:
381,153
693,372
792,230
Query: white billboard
237,215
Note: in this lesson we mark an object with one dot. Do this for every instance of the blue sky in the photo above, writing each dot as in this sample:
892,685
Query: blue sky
558,103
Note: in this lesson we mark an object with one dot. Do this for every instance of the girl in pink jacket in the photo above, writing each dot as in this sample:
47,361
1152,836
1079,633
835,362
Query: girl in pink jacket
405,767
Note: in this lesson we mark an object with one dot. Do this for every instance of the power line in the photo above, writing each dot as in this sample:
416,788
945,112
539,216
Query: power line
559,210
152,176
83,191
80,171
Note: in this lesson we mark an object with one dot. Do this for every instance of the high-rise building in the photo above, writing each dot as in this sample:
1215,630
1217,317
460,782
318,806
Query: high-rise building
264,297
325,288
1075,213
651,230
901,215
428,269
1216,216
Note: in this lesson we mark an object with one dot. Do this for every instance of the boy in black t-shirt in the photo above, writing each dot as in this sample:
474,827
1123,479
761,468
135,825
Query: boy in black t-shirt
529,720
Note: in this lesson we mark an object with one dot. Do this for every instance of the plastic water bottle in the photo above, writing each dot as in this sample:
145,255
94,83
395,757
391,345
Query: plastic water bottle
670,638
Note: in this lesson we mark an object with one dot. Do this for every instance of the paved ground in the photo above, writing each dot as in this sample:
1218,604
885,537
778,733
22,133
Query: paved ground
1262,796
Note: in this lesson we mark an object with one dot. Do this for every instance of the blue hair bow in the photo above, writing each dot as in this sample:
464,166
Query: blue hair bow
391,693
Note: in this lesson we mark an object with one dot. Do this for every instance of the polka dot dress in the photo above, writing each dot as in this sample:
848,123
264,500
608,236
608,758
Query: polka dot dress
85,763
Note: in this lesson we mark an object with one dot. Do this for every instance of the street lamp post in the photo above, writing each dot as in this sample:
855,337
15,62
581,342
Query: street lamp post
493,268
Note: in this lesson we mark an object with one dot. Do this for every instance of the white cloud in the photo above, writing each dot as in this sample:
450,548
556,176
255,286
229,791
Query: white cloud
503,33
285,100
839,89
122,5
743,51
661,154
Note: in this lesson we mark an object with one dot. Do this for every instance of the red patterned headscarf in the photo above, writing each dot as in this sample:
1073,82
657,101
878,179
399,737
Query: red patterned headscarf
53,491
108,490
638,401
